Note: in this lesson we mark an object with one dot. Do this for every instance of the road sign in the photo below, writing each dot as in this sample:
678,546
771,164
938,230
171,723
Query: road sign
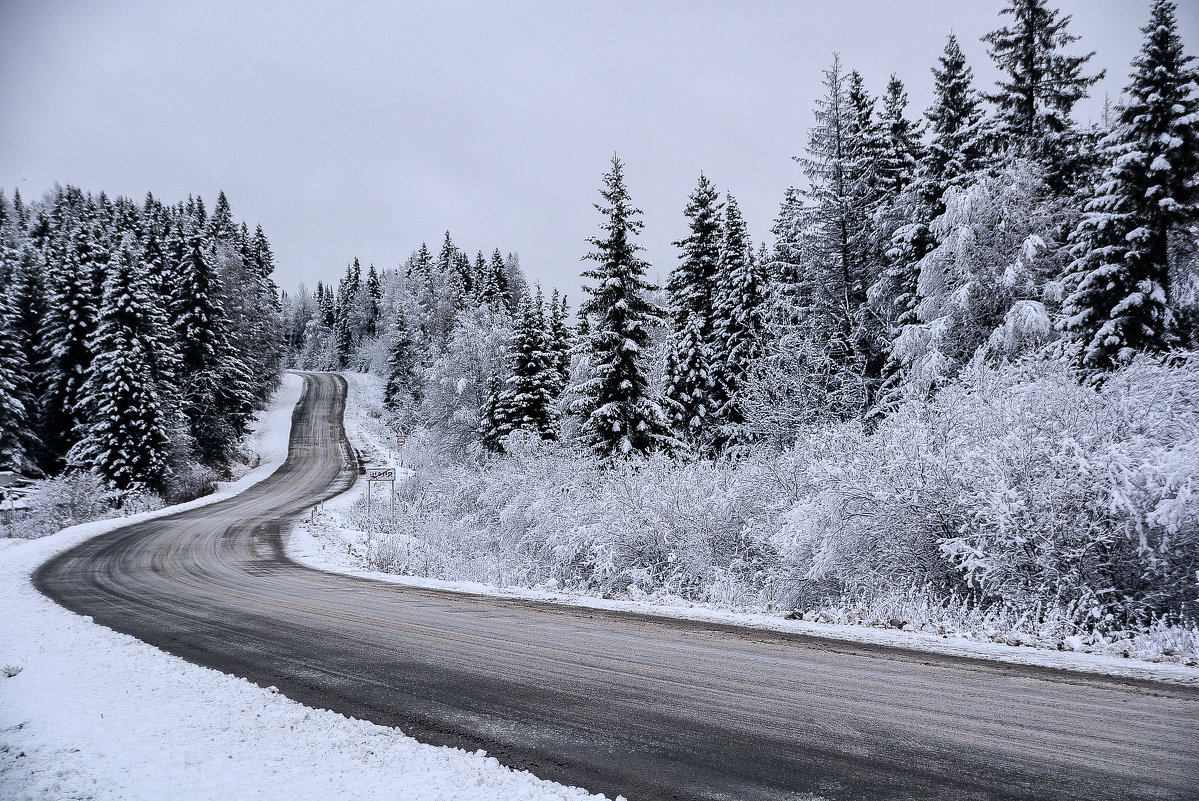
380,474
375,475
400,440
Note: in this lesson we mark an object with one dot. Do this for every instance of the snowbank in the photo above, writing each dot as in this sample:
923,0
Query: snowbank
86,712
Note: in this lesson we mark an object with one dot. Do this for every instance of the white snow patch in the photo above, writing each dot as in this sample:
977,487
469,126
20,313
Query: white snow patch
91,713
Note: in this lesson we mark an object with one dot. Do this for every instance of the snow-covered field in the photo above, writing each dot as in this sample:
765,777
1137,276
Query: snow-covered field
86,712
330,544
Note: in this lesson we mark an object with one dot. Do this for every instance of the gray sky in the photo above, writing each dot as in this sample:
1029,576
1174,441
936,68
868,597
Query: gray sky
363,129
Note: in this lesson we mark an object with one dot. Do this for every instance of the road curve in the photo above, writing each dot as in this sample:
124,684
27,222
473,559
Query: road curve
617,703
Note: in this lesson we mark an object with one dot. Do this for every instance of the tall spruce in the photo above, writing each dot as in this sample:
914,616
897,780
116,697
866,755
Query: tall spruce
1041,84
691,288
69,323
1120,303
125,440
739,322
215,386
836,217
901,148
401,387
16,395
956,147
619,416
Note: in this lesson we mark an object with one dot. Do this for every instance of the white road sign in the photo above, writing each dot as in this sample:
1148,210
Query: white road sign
380,474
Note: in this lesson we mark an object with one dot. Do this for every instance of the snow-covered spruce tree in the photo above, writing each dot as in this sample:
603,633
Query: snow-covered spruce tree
69,323
864,146
687,394
1041,85
125,439
561,340
956,148
15,395
372,296
901,148
214,384
619,417
348,291
691,288
401,388
492,421
527,400
739,323
692,282
1120,305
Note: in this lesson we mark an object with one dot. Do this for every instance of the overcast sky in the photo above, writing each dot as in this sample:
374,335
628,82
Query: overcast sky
363,129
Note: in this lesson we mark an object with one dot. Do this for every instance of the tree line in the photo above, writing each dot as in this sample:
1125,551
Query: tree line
990,228
136,340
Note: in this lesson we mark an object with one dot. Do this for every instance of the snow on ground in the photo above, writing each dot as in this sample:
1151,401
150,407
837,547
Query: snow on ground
327,544
86,712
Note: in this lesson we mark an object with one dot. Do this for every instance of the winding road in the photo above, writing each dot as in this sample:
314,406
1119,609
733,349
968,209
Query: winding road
617,703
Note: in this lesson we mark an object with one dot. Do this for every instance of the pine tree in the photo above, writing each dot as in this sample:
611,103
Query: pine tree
1042,84
401,386
560,341
1120,302
28,313
687,396
691,290
374,294
865,141
499,275
955,120
69,322
125,439
619,416
693,280
740,322
492,421
16,396
347,298
839,205
526,402
901,149
221,226
215,385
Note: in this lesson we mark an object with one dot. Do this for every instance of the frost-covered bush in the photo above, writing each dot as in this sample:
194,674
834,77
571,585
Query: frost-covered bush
76,497
1019,487
1015,499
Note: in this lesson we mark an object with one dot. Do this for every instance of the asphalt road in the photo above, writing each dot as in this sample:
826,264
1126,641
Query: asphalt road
616,703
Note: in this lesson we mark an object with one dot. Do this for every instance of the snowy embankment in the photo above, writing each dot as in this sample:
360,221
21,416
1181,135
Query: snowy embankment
86,712
329,543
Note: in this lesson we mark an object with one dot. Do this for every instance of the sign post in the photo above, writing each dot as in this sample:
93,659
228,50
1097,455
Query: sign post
376,474
401,439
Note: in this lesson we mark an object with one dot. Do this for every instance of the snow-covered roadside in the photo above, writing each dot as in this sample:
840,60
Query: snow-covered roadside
326,544
91,713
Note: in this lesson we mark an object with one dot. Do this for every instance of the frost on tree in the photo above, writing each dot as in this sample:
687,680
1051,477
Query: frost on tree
126,438
619,416
1041,83
1119,304
692,289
